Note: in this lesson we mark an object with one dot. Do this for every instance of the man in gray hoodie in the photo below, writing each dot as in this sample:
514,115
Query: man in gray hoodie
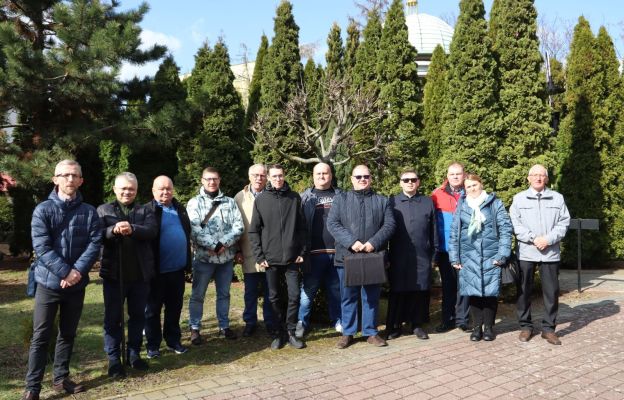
540,219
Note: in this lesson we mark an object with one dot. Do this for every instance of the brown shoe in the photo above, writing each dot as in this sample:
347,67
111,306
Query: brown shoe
344,341
376,341
68,386
525,335
196,338
30,396
551,337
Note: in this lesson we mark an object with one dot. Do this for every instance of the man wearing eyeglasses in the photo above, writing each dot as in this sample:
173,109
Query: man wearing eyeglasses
216,227
277,234
455,308
412,246
254,275
540,219
360,221
66,239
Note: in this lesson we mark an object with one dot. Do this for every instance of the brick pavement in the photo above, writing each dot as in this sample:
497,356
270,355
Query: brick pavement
589,364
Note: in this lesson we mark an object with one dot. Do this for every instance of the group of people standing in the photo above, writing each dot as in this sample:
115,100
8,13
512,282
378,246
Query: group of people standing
289,246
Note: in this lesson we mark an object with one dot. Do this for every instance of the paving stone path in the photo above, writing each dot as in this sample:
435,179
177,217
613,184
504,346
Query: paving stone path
589,364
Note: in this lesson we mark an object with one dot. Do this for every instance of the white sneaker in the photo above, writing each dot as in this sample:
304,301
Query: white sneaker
299,330
338,327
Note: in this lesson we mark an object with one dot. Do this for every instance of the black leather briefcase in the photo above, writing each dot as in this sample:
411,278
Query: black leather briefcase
365,269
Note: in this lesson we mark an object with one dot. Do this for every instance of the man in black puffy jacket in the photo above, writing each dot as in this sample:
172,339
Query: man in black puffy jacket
127,268
66,238
277,234
361,221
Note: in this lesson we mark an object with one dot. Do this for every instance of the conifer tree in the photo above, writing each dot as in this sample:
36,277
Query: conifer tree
218,126
471,114
351,47
401,92
282,75
253,104
434,99
525,132
313,76
335,54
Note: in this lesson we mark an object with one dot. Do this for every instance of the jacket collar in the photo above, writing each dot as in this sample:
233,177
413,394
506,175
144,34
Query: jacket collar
546,194
65,205
203,193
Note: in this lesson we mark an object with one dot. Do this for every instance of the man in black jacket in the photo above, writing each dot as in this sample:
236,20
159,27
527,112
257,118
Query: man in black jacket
278,238
127,268
172,252
361,221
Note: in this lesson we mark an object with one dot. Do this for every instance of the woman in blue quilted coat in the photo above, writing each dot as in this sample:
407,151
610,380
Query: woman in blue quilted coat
480,243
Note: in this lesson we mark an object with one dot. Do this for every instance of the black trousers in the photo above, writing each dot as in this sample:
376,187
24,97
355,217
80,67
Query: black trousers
167,289
283,283
47,303
549,274
455,308
483,310
411,307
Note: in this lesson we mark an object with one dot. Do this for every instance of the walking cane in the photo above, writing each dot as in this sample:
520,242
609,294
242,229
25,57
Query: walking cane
121,298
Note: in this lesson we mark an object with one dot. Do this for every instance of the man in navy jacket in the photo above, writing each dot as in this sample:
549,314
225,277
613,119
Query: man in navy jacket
66,238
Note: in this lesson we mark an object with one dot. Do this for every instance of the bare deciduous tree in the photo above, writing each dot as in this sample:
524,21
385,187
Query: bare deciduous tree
331,138
555,36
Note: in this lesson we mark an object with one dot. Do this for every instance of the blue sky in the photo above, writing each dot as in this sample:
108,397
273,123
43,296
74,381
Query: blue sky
184,25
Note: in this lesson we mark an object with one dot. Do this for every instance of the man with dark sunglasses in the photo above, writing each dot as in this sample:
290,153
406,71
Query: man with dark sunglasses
360,220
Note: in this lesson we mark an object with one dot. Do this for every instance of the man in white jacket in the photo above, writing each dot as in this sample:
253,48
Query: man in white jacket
540,219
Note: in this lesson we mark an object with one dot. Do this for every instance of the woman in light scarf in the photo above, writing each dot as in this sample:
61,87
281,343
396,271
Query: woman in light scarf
480,243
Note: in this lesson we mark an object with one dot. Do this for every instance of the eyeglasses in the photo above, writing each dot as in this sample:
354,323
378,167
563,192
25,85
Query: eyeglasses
256,176
360,177
67,176
538,175
409,180
211,179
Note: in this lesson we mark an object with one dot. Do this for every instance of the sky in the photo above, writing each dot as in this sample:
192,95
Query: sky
184,25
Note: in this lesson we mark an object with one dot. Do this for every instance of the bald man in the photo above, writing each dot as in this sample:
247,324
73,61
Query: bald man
172,255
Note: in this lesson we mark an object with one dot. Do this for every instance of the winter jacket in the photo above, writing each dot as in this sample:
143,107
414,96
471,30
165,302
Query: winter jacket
531,218
366,217
186,226
245,202
224,227
66,235
144,230
445,203
277,231
413,244
309,200
479,276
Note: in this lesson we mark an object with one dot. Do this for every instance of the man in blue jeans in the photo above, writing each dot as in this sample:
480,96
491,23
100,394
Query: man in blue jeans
216,227
316,203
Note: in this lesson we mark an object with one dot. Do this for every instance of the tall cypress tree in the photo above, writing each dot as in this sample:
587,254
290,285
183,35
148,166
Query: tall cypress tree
313,84
579,158
335,54
471,114
256,82
218,132
282,73
525,130
401,92
351,47
434,99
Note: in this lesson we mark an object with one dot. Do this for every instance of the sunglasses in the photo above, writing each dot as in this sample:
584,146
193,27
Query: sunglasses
409,180
359,177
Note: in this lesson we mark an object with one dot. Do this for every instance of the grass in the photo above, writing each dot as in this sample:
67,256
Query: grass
215,356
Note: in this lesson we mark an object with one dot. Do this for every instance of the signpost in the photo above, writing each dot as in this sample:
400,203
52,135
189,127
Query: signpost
582,224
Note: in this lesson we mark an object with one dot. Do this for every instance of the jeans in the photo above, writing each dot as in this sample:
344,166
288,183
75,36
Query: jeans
136,295
370,306
47,302
322,271
202,273
549,274
455,308
282,277
250,314
166,290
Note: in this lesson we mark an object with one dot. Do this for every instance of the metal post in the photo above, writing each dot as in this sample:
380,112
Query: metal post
578,269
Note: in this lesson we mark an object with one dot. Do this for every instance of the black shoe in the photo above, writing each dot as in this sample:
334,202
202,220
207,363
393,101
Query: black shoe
277,343
444,328
28,395
488,334
477,334
227,333
294,342
138,363
196,338
116,370
420,333
176,348
249,330
393,334
464,328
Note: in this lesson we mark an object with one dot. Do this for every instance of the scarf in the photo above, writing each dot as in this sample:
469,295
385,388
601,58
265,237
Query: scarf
477,219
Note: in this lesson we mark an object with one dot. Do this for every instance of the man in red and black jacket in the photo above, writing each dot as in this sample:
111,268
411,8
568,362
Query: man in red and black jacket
454,307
